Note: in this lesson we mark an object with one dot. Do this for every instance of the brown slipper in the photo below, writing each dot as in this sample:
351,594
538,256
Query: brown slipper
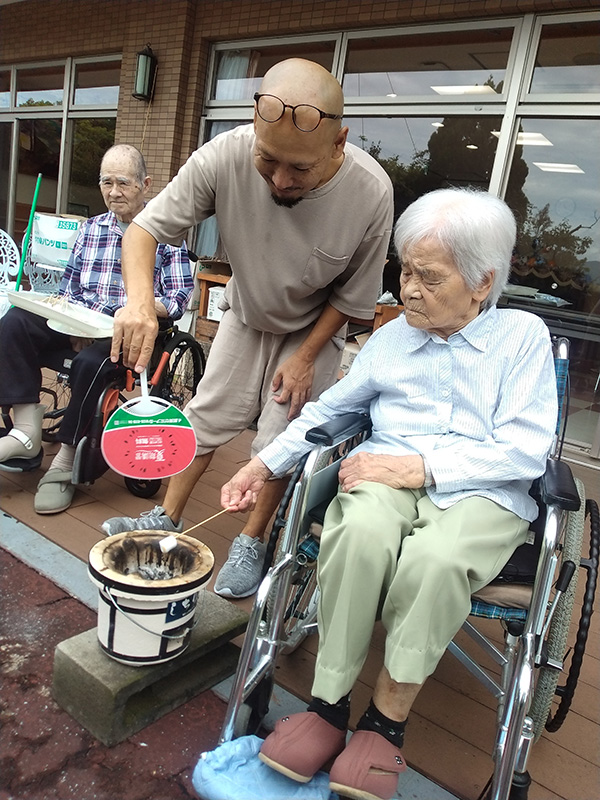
301,745
368,768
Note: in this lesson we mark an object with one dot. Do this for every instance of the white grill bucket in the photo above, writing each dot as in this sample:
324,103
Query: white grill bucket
146,598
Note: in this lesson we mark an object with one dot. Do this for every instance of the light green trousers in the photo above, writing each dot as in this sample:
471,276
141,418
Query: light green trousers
422,562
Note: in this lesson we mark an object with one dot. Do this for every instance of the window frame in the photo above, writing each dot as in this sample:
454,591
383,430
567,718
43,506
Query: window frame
68,111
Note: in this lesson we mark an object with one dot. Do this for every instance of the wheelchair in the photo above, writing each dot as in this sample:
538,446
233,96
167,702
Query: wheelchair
176,367
533,597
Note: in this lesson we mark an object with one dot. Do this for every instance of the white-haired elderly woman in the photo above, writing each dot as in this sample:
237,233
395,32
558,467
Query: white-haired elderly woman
463,402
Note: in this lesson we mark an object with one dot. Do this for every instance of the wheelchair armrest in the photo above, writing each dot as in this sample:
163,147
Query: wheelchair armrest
557,487
337,430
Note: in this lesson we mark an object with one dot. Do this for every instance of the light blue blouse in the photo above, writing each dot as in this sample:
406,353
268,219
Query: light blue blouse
481,407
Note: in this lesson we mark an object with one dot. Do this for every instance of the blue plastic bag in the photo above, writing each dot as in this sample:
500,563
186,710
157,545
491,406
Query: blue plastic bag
233,771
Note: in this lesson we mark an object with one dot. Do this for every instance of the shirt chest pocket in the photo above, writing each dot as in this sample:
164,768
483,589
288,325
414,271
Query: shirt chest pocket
322,268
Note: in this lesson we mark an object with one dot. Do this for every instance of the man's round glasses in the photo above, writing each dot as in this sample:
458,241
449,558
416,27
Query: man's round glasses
305,117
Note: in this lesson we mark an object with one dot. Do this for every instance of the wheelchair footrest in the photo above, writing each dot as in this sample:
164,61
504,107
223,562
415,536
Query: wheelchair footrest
22,464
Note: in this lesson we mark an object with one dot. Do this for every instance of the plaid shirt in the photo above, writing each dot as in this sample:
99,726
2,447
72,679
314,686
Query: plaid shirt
93,274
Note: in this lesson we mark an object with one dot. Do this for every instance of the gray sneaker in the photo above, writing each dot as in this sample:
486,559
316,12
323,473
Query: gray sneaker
240,574
155,520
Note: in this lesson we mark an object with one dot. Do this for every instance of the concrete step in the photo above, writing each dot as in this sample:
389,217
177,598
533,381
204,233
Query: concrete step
113,700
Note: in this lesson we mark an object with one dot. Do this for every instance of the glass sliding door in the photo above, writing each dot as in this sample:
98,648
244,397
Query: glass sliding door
5,142
425,153
39,151
91,139
553,190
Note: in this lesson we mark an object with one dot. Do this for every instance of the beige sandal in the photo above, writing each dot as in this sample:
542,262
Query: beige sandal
54,492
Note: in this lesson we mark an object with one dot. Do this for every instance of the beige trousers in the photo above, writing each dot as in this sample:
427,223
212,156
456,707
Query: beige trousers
394,550
236,386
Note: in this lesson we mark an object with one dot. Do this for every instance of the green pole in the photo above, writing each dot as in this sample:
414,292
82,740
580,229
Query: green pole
28,231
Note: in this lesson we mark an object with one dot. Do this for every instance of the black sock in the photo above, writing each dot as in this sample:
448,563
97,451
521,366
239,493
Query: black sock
390,729
337,714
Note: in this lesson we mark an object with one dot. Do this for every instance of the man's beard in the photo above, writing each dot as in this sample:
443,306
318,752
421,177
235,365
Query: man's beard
286,202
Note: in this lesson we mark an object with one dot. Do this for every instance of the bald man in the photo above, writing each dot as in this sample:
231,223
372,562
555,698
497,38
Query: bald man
304,219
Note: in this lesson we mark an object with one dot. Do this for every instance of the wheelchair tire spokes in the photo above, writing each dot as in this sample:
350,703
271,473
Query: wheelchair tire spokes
179,370
56,395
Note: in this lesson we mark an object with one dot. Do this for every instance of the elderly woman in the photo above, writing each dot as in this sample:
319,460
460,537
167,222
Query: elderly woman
463,403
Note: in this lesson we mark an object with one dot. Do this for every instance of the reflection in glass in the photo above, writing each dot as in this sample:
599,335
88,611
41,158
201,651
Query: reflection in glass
558,248
445,63
91,139
554,194
40,86
5,138
425,153
39,149
97,84
4,89
239,72
568,59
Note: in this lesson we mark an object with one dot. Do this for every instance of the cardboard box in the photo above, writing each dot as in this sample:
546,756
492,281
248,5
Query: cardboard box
348,355
53,237
350,350
215,295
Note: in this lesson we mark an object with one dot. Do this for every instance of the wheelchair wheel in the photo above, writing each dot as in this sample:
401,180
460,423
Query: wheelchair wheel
142,488
558,632
557,635
183,370
55,395
302,597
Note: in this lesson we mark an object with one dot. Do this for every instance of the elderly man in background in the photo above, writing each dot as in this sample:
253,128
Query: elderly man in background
93,279
463,403
305,220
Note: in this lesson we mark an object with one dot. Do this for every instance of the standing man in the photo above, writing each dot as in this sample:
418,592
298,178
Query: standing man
93,279
305,220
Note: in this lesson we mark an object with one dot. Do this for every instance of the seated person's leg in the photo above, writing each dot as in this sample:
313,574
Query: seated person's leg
24,337
452,553
90,370
443,558
360,542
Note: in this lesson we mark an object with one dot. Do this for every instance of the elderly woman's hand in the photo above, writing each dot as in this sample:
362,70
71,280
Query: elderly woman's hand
399,472
240,493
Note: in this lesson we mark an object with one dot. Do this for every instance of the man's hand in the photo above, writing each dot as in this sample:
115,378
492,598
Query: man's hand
295,379
240,493
135,333
399,472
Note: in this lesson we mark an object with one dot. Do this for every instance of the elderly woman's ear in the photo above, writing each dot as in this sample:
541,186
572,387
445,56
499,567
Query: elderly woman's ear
485,286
